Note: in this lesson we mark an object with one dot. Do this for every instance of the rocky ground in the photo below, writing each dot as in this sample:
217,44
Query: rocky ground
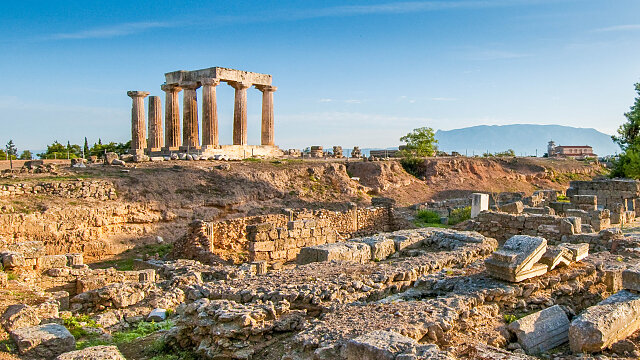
431,298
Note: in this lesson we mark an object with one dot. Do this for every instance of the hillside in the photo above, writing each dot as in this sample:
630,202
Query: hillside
522,138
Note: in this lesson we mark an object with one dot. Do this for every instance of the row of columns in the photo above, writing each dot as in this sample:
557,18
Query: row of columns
190,128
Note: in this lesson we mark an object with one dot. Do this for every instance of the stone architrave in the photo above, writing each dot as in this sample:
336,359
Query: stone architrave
209,113
172,117
543,330
267,137
479,203
190,130
156,139
240,112
138,128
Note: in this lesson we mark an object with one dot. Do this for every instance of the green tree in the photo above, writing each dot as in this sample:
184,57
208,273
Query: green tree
420,142
59,151
11,152
629,132
628,138
85,148
26,155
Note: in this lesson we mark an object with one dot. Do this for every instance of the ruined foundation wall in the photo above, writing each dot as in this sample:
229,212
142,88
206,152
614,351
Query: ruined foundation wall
278,237
609,192
99,190
502,226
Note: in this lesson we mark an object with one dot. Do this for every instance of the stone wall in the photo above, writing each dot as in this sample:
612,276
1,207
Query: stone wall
100,190
502,226
278,237
609,192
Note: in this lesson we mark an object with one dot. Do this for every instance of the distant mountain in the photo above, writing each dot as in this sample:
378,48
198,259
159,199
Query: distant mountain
524,139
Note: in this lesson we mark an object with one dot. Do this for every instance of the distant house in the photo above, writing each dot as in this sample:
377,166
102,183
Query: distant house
570,151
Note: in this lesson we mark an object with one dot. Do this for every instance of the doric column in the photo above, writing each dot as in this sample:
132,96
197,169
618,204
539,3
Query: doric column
138,131
209,113
172,117
190,128
267,114
240,113
156,141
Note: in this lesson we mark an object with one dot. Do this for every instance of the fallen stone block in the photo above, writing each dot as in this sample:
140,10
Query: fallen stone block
407,242
542,331
517,259
609,321
52,261
578,251
93,353
11,260
75,259
513,208
43,341
157,315
556,256
378,345
536,270
19,316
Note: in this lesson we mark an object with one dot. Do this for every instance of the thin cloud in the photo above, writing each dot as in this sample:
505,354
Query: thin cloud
629,27
443,99
111,31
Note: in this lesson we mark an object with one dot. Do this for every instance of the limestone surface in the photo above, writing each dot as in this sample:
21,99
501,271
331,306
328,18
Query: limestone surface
93,353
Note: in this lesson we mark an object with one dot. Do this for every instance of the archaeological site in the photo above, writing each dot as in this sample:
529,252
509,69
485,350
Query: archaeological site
184,248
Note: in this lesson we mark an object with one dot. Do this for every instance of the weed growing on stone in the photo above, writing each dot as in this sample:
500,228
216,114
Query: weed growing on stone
140,330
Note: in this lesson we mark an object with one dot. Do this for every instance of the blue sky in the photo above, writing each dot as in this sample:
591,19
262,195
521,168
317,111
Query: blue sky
348,73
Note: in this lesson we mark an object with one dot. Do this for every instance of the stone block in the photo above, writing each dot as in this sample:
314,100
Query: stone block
601,325
631,279
157,315
62,298
19,316
519,253
75,259
261,267
262,246
102,352
43,341
613,278
147,275
378,345
12,260
577,251
52,261
556,256
513,208
407,242
260,228
381,248
542,331
479,203
500,273
350,251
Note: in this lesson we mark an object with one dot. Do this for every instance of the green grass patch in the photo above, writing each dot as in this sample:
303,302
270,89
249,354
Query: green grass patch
11,275
252,159
509,318
119,264
142,329
428,216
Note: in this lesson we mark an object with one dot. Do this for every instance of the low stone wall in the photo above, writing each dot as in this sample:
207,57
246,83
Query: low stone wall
502,226
100,190
278,237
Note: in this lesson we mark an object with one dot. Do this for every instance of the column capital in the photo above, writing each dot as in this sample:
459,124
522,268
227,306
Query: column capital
189,85
210,82
239,85
142,94
264,88
170,88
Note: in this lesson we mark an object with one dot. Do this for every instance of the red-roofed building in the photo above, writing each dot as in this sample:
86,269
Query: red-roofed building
570,151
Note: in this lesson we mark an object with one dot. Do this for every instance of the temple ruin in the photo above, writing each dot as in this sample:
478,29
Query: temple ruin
162,143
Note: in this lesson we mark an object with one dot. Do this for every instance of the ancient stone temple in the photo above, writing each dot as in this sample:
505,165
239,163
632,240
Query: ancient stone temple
196,137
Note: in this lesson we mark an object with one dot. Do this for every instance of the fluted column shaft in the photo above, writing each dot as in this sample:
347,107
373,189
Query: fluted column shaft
138,128
209,113
190,128
267,137
156,141
172,117
240,113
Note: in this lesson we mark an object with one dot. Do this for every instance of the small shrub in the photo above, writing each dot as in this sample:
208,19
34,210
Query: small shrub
428,217
12,276
459,215
140,330
509,318
563,198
